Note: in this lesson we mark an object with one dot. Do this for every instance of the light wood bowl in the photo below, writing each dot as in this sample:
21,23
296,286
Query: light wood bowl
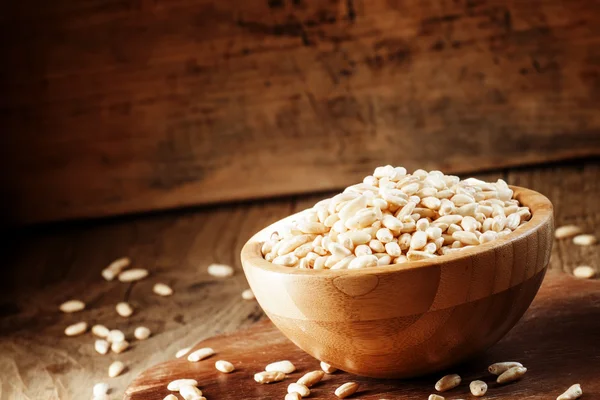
408,319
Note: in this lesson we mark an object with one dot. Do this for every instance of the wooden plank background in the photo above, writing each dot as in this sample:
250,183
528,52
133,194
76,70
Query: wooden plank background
118,106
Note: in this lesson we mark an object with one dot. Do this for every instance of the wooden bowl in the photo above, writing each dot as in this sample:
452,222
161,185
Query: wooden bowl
408,319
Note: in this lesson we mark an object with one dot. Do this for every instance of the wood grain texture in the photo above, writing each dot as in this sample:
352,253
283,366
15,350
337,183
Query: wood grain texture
111,107
551,351
409,319
45,266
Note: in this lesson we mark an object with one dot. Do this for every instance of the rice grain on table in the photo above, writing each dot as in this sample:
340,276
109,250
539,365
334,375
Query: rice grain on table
311,378
162,289
567,231
76,329
182,352
190,392
72,306
500,367
448,382
478,388
265,377
119,347
293,396
175,385
572,393
133,275
584,272
115,335
436,397
124,309
328,369
100,389
115,268
299,388
200,354
115,369
512,374
224,366
101,346
141,333
585,240
284,366
220,270
346,390
100,331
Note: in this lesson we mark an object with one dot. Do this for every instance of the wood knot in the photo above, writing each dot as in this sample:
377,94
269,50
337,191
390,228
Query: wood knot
357,285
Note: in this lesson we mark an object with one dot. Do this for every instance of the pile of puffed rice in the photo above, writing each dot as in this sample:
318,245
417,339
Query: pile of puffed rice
393,217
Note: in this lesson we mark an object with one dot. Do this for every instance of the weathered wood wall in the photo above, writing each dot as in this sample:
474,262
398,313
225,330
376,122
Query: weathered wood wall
116,106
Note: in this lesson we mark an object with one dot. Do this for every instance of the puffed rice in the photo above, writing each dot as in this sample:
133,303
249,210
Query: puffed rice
393,217
141,333
572,393
175,385
100,389
200,354
76,329
162,289
224,366
100,331
115,369
584,272
133,275
124,309
72,306
114,268
284,366
220,270
248,294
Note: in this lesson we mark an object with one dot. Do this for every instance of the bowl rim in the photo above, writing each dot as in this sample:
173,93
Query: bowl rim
541,214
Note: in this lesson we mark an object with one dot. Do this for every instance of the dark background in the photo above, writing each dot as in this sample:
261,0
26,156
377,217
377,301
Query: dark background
111,107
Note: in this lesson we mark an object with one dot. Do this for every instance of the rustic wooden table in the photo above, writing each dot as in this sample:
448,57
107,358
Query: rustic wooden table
46,265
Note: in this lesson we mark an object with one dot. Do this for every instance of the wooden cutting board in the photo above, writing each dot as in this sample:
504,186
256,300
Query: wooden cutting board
558,340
